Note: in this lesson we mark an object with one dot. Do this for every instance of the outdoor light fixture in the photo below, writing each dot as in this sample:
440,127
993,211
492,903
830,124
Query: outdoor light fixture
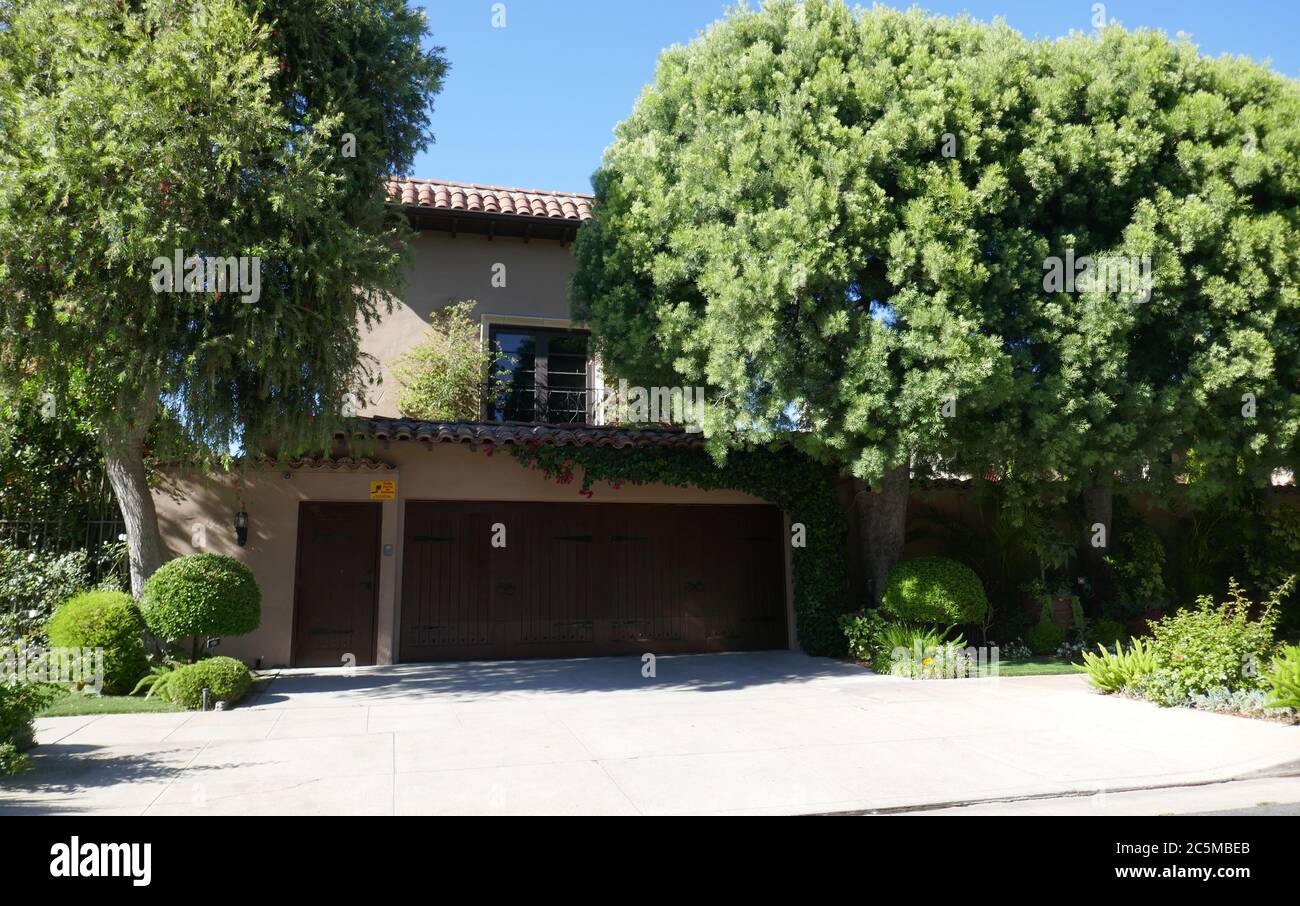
241,528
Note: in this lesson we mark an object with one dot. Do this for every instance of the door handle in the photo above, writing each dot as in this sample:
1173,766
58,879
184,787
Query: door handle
505,588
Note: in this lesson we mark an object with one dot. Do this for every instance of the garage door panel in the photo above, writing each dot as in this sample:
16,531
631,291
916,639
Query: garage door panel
555,594
589,579
644,577
446,583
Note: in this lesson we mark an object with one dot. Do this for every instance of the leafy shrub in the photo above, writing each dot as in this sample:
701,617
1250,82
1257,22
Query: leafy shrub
919,652
1137,564
1227,701
19,702
1045,638
1106,633
443,375
158,679
226,679
200,595
1275,558
32,585
865,632
1283,679
108,620
935,590
1113,672
1213,646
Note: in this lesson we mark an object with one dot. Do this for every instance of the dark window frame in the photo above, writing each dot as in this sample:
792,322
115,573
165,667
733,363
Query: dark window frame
541,369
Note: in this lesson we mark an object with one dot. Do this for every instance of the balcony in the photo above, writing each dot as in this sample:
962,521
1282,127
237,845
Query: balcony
534,402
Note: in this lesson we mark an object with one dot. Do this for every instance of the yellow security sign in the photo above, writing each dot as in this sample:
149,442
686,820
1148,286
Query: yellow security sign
383,490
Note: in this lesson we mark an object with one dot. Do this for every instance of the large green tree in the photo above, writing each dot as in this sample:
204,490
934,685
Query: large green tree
1143,152
802,214
241,130
839,221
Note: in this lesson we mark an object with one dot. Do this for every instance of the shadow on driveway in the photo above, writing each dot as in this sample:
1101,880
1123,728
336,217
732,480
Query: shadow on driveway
484,679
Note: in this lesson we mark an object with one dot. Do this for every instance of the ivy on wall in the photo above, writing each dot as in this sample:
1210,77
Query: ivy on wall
804,489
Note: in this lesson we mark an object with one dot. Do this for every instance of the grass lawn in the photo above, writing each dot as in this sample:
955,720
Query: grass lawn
71,703
1038,666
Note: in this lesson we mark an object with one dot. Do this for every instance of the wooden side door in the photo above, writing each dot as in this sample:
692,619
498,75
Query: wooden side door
336,587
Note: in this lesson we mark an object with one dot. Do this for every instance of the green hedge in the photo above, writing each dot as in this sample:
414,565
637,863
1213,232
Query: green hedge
935,590
107,619
201,595
226,679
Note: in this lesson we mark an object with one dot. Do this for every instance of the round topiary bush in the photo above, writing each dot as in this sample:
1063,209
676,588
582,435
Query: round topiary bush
1045,638
108,620
934,590
204,594
226,679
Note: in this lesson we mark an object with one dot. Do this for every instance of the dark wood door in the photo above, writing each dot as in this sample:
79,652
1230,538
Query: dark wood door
589,579
335,594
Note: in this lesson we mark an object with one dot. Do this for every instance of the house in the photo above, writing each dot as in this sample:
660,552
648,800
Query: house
419,541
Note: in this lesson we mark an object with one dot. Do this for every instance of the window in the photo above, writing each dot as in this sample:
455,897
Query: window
547,375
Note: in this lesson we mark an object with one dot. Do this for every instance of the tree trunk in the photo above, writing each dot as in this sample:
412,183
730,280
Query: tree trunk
1098,505
882,521
123,448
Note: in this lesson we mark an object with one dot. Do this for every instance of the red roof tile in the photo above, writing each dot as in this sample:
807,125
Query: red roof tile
441,195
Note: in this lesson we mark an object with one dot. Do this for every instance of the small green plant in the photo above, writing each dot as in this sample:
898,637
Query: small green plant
108,620
935,590
1106,633
446,376
1213,646
19,702
201,595
157,680
918,652
226,679
1111,672
865,632
1283,679
1045,638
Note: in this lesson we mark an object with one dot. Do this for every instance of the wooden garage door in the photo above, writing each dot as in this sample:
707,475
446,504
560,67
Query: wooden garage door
589,579
335,591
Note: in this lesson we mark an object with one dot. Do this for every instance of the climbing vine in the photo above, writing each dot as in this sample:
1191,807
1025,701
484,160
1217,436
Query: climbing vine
804,489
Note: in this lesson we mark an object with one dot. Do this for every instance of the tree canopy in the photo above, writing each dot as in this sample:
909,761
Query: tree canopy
862,229
134,134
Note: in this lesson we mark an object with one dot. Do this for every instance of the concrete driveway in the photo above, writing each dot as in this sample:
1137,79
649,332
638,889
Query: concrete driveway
773,732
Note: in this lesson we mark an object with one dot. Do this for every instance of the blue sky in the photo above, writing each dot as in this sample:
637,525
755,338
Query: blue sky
533,104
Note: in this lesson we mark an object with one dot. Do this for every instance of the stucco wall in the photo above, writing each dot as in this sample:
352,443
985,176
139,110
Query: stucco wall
442,472
445,270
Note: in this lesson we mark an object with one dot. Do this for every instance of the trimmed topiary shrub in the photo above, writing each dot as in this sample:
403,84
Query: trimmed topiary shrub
201,595
107,619
1045,638
935,590
226,679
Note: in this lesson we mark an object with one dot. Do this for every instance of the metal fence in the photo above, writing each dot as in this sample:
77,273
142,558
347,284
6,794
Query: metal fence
93,525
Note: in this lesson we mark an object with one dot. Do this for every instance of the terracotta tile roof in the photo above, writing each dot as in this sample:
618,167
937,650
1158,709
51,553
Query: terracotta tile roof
521,433
334,464
441,195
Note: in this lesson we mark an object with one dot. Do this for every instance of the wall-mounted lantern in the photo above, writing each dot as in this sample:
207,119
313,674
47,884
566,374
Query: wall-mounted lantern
241,528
